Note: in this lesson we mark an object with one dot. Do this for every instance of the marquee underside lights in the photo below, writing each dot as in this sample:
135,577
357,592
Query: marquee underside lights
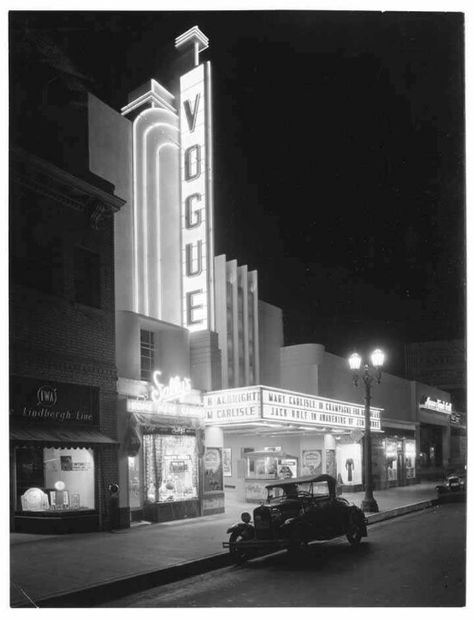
258,403
196,207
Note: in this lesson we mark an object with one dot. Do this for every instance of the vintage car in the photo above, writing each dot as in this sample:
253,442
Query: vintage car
453,488
296,512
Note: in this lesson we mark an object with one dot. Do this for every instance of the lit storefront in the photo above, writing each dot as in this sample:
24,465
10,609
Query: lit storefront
164,445
56,450
272,433
394,458
435,436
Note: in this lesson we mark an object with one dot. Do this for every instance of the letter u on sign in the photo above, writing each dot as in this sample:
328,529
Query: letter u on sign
194,263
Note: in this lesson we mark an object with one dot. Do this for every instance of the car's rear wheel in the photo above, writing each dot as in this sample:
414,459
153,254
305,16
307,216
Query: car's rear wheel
240,556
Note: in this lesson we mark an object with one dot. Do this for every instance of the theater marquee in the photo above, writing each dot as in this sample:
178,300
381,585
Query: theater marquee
259,403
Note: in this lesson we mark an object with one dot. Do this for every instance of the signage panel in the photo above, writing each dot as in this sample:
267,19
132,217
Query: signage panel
294,407
138,405
51,402
437,405
196,195
260,403
232,406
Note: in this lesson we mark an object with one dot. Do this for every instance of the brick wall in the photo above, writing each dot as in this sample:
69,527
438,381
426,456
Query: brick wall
53,337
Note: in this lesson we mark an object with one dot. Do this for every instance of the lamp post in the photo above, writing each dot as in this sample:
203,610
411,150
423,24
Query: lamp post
377,358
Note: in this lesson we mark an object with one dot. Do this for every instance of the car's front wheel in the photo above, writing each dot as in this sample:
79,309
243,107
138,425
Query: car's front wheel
354,533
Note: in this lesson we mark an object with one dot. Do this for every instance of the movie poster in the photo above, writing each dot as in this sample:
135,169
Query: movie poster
312,464
213,478
227,462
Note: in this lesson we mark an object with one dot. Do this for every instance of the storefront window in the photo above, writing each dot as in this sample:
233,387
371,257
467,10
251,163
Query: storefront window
170,468
134,482
391,459
55,479
349,463
265,467
410,455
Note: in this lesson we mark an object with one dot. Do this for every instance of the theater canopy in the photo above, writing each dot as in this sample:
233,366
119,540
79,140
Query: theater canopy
260,405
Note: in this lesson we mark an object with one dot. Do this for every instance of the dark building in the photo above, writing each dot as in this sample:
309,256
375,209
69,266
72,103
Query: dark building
63,428
442,363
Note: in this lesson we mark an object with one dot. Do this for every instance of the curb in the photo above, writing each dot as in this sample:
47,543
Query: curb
101,593
402,510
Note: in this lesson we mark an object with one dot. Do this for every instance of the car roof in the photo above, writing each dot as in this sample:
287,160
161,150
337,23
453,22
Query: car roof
291,481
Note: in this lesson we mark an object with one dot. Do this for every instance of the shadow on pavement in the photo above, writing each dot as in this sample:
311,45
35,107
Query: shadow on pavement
315,557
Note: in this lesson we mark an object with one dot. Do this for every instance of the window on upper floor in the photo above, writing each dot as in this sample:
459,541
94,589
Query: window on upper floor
147,354
86,277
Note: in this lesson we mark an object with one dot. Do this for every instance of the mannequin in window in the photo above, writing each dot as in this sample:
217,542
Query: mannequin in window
349,468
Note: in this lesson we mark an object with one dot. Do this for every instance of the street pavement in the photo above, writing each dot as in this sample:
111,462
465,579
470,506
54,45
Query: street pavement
417,560
70,570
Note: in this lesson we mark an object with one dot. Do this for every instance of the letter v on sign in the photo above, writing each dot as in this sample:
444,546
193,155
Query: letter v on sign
191,115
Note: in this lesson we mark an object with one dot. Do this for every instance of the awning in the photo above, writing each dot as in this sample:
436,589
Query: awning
59,437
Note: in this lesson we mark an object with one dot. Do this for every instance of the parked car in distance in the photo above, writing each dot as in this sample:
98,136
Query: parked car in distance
297,511
453,488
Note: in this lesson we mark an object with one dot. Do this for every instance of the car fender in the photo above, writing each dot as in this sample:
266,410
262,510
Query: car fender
242,527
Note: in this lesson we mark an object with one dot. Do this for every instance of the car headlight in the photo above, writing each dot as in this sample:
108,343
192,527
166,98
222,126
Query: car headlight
245,516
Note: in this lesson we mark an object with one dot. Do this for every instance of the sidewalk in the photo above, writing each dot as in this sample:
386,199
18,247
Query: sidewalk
44,567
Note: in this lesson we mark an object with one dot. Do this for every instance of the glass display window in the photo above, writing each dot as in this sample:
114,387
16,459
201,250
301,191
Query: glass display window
410,458
264,467
391,458
349,463
55,479
171,472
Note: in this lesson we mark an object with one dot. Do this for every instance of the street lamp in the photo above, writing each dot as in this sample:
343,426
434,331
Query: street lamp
377,358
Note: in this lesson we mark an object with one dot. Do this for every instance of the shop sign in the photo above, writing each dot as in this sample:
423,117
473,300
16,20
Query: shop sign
436,405
139,405
166,430
174,390
196,191
456,418
37,400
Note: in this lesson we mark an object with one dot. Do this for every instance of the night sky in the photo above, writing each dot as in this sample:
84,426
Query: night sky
339,156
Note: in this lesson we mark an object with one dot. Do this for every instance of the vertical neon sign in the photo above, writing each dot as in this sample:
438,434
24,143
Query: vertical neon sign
196,199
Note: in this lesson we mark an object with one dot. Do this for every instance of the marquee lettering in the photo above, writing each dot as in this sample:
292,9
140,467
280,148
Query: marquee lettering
192,218
191,115
192,162
196,200
192,307
196,249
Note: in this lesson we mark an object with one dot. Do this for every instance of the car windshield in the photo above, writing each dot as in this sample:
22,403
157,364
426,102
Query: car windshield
293,491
